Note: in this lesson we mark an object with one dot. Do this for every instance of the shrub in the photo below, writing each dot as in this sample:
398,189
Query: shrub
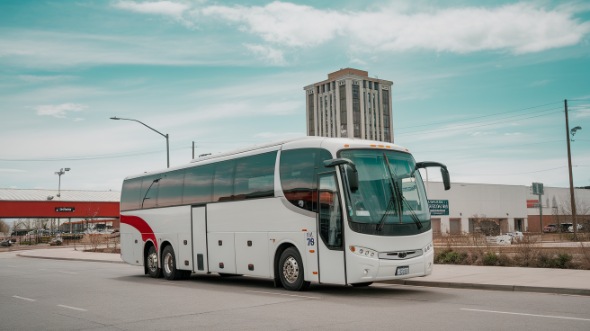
490,259
450,257
562,261
504,260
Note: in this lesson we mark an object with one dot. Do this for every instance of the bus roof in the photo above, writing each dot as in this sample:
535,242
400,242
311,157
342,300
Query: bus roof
331,144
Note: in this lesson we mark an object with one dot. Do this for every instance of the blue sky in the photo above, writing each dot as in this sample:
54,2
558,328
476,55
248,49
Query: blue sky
478,86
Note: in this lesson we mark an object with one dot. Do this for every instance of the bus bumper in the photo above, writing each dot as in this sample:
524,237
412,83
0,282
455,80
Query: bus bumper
375,269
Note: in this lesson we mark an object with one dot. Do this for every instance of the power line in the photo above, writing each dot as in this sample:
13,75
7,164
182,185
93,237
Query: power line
475,125
483,116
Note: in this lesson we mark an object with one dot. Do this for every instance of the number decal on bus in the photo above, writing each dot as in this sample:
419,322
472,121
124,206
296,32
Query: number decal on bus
310,239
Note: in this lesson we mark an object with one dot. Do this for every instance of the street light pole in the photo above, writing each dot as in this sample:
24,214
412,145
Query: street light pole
61,171
149,127
569,163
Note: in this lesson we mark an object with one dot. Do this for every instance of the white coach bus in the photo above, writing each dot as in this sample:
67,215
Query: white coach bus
312,210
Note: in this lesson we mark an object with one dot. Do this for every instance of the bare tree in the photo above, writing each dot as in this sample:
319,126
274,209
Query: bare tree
4,228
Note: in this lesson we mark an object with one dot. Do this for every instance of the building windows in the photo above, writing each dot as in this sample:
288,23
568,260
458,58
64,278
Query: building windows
310,115
361,110
356,110
343,112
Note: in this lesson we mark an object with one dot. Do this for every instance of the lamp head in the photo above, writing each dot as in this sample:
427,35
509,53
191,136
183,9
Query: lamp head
115,118
574,130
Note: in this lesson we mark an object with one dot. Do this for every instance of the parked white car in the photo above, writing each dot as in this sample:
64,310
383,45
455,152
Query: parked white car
516,236
509,238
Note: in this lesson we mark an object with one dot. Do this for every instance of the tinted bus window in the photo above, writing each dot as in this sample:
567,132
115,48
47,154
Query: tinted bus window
198,185
170,189
254,177
298,175
149,191
223,181
130,194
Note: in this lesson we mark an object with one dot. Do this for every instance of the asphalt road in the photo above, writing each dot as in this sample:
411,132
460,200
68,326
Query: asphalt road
40,294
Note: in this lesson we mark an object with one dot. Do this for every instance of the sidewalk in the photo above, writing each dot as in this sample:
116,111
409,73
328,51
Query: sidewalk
559,281
71,253
544,280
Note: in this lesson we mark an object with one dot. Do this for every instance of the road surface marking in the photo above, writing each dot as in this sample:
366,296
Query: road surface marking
522,314
22,298
72,308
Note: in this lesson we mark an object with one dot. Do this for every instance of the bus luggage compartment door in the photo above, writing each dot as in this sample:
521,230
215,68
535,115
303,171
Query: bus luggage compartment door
252,254
222,253
132,248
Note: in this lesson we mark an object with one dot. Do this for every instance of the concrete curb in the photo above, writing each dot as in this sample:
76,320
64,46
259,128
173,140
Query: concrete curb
493,287
66,259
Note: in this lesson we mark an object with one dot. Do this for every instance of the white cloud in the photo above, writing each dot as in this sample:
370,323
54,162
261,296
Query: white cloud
267,53
11,170
45,79
284,23
59,111
171,9
517,28
276,136
582,111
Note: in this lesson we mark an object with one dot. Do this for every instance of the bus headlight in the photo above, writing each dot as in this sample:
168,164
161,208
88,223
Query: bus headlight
428,248
363,251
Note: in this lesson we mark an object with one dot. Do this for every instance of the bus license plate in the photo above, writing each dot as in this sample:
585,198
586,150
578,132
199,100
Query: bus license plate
400,271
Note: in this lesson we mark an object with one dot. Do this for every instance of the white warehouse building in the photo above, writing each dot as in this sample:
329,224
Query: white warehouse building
510,207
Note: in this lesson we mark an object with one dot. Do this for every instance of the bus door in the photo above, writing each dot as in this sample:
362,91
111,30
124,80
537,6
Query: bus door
332,267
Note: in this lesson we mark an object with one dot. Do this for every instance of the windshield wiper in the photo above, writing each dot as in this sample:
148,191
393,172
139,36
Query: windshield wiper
397,193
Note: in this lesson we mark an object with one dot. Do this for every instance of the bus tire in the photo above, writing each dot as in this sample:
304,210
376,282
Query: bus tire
361,284
290,270
169,265
151,263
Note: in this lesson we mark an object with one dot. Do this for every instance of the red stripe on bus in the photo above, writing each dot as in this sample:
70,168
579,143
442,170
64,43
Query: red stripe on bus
141,226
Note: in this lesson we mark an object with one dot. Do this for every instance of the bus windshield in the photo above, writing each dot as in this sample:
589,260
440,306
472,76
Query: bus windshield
390,200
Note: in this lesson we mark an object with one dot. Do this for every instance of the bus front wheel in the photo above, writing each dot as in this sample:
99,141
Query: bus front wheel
151,262
291,271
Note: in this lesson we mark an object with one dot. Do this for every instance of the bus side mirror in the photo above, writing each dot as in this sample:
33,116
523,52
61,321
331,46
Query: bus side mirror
443,171
353,178
446,178
349,168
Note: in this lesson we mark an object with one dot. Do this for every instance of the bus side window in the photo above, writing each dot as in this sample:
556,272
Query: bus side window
297,176
298,171
198,185
170,189
330,212
255,176
130,194
149,191
223,181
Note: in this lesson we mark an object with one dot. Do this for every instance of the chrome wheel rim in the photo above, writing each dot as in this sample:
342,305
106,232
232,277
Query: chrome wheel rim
153,261
168,263
291,270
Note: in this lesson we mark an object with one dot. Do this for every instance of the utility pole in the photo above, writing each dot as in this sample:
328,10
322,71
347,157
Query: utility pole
193,150
569,161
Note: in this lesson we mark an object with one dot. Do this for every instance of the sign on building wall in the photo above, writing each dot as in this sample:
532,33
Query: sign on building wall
64,209
438,207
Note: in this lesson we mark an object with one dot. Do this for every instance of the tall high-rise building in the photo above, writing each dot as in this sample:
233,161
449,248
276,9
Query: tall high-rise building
350,104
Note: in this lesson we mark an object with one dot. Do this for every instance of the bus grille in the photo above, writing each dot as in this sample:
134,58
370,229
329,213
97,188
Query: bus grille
400,255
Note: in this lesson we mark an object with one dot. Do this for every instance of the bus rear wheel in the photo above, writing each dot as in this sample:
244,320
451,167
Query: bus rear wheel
151,263
169,266
291,271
